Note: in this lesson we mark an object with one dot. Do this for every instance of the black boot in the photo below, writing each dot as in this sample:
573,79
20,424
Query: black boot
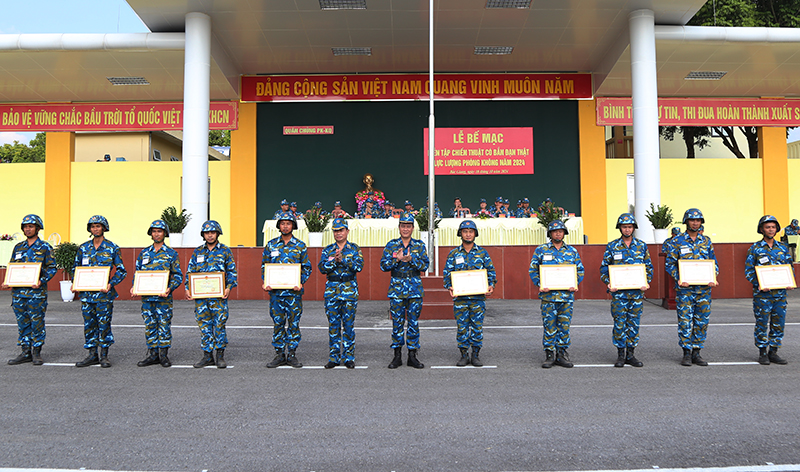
36,353
476,361
464,361
164,359
631,359
413,361
696,359
221,364
397,360
620,357
151,359
104,362
549,359
208,359
562,358
91,359
23,357
291,360
763,358
687,357
775,358
278,360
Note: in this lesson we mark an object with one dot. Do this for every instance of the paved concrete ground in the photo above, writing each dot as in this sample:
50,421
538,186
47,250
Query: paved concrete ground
516,416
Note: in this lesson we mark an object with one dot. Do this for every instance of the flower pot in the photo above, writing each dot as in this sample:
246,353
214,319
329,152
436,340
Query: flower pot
176,239
314,239
660,235
66,293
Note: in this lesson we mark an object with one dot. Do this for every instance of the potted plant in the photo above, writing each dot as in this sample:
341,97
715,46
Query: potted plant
547,212
176,222
661,219
316,221
423,222
64,255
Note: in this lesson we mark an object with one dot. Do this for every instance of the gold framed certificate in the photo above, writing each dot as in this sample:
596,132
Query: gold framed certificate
469,282
22,274
775,277
697,271
90,278
207,284
282,276
627,276
150,282
558,276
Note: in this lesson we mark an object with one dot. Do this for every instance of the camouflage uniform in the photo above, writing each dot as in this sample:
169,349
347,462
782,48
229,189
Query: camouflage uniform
97,307
212,313
469,310
405,289
769,308
30,304
157,311
341,299
285,305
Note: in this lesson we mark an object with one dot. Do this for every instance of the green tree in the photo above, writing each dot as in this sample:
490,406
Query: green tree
18,152
219,137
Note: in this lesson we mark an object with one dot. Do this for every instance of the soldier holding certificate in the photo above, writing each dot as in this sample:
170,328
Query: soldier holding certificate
157,309
469,309
97,306
626,304
30,303
212,313
693,301
341,262
556,303
769,305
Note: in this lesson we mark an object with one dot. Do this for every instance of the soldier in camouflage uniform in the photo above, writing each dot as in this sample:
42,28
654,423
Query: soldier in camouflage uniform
499,210
483,210
98,307
405,258
368,210
157,309
30,303
693,301
793,229
668,242
769,306
469,309
626,305
556,304
286,305
212,313
284,209
341,262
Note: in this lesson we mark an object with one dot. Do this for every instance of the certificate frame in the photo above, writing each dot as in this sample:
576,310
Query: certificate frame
552,276
89,278
469,282
200,285
150,278
23,274
697,271
627,276
282,276
772,276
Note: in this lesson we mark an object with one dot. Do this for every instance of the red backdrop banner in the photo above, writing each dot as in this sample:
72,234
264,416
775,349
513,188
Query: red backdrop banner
482,151
705,112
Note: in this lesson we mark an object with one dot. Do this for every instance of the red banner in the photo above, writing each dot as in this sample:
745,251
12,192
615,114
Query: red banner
705,112
123,116
264,88
482,151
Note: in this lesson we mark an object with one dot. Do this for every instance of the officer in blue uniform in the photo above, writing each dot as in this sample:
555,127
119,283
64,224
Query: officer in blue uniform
157,309
626,304
556,304
409,208
30,303
499,210
469,309
525,211
483,210
286,305
341,262
406,258
368,211
212,313
436,211
769,306
97,307
793,229
284,209
458,211
693,301
388,210
668,242
293,210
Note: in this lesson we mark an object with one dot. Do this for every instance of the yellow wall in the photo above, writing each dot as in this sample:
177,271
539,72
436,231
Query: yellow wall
22,187
794,191
593,172
167,149
243,176
89,147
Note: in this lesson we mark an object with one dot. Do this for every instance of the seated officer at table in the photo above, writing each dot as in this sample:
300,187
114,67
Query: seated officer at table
793,229
525,210
499,210
458,211
284,209
483,210
338,212
388,210
408,207
368,211
293,210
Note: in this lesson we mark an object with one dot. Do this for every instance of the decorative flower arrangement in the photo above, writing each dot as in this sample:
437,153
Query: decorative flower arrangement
376,195
6,237
548,212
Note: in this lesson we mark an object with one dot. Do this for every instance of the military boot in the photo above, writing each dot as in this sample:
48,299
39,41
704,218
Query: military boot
413,361
620,357
36,354
562,358
221,364
208,359
476,361
687,357
631,359
104,362
291,360
23,357
696,359
549,359
763,358
91,359
164,359
464,361
775,358
397,360
278,360
151,359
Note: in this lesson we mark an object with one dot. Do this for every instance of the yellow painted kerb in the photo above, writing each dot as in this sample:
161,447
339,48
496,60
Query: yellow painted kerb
774,160
243,178
60,155
593,173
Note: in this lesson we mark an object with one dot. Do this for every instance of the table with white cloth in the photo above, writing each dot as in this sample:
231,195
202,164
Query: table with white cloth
6,249
491,232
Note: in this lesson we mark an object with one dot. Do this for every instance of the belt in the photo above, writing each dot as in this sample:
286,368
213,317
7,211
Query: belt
347,278
405,274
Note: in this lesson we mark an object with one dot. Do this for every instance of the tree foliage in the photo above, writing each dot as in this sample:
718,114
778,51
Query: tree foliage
18,152
219,137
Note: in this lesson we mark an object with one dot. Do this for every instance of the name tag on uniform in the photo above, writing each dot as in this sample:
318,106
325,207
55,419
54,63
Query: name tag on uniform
146,260
85,261
763,260
18,256
459,260
547,257
685,250
617,256
274,254
201,259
